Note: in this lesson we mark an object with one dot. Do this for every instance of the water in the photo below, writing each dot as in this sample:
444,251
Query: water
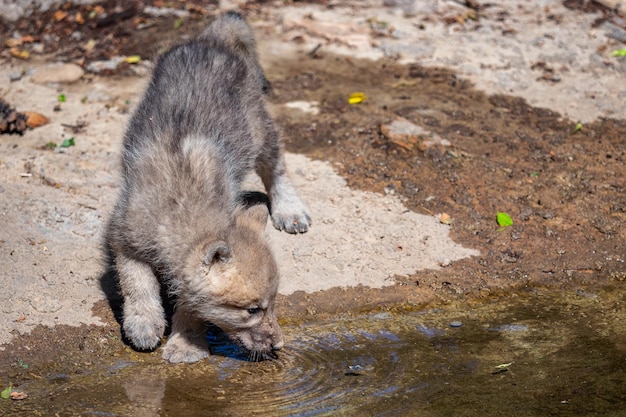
534,354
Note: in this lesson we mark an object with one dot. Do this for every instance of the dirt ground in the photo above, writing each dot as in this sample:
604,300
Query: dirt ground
562,183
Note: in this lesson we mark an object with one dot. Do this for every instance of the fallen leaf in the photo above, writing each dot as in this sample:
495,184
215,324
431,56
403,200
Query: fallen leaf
504,365
503,219
21,54
19,41
195,8
60,15
90,45
79,18
133,59
21,318
356,98
68,142
445,218
34,119
18,395
619,52
6,393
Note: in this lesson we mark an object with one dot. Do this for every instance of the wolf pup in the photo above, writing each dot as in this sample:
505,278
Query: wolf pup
201,126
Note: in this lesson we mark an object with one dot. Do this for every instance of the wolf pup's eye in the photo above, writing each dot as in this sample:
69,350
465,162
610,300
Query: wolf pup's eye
254,310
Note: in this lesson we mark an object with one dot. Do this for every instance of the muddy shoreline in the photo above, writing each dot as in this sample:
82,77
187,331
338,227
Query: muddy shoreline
535,129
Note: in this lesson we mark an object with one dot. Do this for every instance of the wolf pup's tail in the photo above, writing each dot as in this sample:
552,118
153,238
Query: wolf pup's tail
231,30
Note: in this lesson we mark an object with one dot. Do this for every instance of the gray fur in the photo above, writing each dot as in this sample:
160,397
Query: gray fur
201,126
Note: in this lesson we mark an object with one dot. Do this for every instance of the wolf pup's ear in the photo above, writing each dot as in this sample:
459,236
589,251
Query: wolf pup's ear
217,252
255,217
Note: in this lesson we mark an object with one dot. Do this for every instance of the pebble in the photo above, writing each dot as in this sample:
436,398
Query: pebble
383,316
108,65
408,135
456,324
58,73
444,262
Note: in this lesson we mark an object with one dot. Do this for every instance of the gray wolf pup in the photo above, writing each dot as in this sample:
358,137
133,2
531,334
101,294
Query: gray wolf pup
201,126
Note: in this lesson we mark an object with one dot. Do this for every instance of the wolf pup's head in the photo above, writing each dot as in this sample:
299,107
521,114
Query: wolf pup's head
235,282
231,31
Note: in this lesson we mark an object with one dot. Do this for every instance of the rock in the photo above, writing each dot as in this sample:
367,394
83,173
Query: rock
109,65
403,133
351,33
311,107
34,119
58,73
408,135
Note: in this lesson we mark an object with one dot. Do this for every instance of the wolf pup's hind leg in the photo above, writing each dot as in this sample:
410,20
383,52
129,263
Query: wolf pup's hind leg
187,342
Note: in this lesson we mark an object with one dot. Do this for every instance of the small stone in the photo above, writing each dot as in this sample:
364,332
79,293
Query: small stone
403,133
456,324
18,395
58,73
109,65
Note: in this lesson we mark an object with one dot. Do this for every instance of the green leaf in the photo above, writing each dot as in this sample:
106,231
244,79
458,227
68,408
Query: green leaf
23,364
50,145
534,174
178,23
619,52
61,98
68,142
6,393
578,127
503,219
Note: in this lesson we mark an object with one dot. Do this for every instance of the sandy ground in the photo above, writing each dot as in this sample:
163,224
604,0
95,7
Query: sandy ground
54,204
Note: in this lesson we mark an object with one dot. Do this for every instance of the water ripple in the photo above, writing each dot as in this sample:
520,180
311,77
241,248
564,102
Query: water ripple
316,374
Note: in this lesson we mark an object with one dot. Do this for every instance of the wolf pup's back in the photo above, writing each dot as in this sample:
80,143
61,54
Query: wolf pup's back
201,126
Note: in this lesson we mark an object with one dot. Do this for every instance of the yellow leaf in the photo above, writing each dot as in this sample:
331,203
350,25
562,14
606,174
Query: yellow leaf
13,42
90,45
133,59
23,54
356,98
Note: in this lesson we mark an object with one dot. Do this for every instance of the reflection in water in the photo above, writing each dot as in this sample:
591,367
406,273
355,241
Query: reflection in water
145,390
533,355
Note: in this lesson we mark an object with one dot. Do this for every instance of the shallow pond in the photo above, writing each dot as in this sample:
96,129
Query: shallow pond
533,354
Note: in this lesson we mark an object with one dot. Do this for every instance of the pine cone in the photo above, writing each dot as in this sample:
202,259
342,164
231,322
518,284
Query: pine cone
10,120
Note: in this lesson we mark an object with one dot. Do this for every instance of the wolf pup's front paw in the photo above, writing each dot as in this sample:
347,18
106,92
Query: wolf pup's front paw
179,349
291,223
292,217
288,212
143,333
